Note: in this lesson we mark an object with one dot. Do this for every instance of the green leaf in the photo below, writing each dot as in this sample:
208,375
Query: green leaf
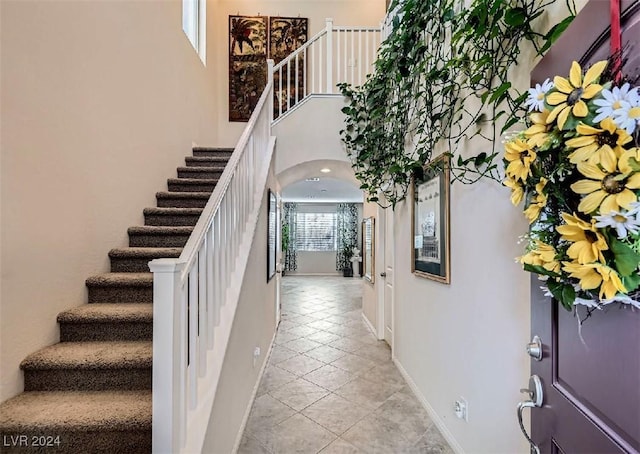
627,260
515,17
556,31
500,91
564,293
631,282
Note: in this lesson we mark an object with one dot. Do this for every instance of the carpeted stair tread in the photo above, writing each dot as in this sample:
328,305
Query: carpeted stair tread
146,252
204,160
83,411
106,312
193,181
183,195
218,168
91,355
160,230
200,150
121,280
173,211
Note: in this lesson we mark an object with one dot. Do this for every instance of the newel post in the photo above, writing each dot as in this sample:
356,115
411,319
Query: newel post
270,64
169,360
329,55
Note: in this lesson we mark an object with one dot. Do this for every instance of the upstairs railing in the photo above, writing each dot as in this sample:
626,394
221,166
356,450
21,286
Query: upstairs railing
333,56
196,295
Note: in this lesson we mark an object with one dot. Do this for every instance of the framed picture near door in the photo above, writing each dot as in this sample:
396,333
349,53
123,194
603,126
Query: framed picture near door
271,236
368,243
430,221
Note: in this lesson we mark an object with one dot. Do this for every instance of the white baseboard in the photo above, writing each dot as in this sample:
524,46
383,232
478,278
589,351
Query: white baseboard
369,325
247,412
432,413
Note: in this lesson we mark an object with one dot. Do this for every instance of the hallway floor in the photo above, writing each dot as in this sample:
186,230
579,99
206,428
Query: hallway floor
330,386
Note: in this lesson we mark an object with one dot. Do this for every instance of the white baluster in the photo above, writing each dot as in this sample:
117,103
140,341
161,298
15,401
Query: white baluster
202,309
168,355
193,337
270,63
211,297
329,55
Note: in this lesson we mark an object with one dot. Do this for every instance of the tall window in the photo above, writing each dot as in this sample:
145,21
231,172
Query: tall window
316,231
194,15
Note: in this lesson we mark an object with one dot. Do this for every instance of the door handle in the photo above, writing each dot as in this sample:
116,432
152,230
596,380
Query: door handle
383,274
534,348
535,401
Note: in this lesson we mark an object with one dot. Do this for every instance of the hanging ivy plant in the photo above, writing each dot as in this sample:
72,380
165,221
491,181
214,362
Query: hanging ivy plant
441,78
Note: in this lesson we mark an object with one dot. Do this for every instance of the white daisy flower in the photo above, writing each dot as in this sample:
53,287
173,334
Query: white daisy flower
624,222
628,115
535,101
612,100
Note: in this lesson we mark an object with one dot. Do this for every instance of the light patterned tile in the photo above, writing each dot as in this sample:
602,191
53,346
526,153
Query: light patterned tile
329,377
302,345
302,330
274,377
366,393
299,394
325,353
354,364
339,446
380,352
297,435
374,434
266,413
300,365
280,353
335,413
347,344
323,337
283,337
321,324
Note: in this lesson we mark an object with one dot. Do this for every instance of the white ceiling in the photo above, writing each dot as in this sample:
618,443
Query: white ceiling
326,190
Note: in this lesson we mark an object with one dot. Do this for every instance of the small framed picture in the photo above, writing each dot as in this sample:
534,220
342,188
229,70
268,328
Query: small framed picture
368,242
430,221
271,237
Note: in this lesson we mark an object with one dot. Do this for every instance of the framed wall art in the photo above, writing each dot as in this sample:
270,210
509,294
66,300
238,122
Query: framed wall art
247,64
368,253
272,231
430,221
286,34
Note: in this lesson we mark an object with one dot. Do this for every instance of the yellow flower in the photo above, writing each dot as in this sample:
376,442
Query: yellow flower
520,156
593,143
608,188
543,255
588,243
537,203
569,95
594,275
517,191
623,163
538,133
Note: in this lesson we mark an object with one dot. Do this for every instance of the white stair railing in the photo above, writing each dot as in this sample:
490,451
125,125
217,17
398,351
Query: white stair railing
333,56
196,295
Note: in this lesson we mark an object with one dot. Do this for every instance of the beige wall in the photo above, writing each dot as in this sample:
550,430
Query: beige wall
467,339
343,12
254,326
100,102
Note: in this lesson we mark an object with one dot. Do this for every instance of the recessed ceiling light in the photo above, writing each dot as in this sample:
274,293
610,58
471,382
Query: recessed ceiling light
313,179
323,190
325,170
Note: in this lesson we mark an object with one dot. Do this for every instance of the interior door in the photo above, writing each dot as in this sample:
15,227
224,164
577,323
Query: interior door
388,278
589,377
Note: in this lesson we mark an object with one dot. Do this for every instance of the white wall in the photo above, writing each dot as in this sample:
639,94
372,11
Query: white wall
100,103
344,12
254,326
467,339
300,139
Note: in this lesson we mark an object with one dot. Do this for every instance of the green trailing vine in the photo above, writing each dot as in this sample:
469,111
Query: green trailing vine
441,78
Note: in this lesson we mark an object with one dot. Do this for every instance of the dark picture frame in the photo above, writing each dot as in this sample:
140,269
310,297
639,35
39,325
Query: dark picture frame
272,232
248,48
368,249
430,229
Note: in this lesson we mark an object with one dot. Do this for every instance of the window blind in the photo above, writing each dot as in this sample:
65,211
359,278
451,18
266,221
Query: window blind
316,231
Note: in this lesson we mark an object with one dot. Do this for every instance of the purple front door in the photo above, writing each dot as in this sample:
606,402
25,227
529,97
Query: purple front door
590,385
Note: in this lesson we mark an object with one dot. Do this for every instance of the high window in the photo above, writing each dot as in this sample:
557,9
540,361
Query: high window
194,15
316,231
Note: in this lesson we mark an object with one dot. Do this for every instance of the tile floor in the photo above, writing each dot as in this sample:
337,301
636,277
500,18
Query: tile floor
330,387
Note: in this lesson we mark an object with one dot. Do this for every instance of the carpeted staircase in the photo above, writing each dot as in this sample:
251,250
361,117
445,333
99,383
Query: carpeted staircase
91,393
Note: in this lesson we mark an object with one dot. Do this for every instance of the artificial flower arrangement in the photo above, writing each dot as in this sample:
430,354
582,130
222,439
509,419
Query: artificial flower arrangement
577,169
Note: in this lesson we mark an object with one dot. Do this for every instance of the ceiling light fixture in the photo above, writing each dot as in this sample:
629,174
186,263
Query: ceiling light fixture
325,170
313,179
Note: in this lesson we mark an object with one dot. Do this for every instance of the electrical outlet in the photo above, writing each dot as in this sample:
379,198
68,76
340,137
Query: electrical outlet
256,355
461,409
